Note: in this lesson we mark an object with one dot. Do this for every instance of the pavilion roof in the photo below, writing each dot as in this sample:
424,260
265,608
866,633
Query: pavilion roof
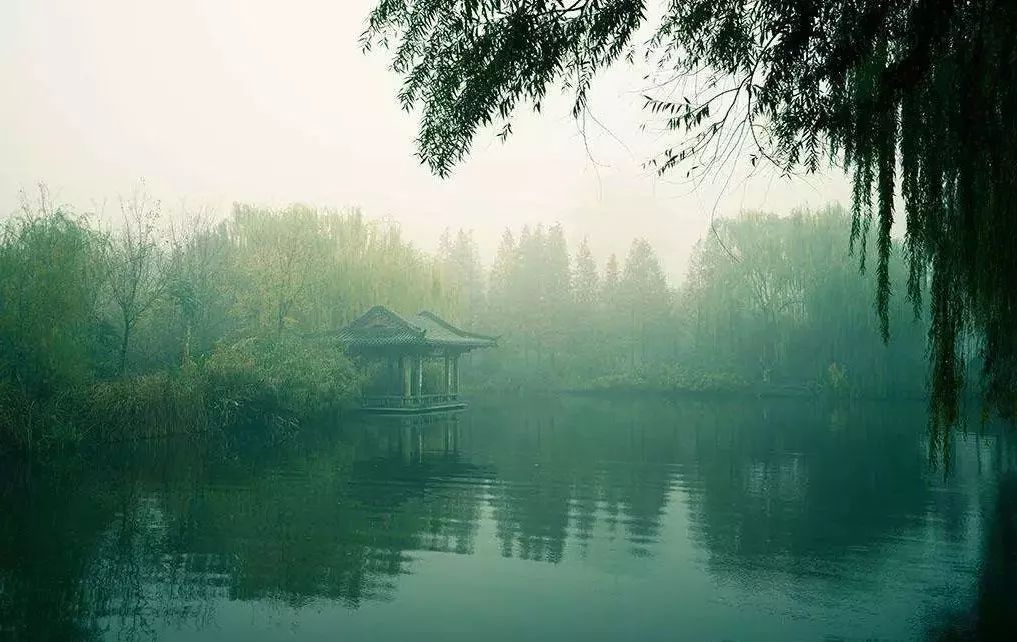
380,327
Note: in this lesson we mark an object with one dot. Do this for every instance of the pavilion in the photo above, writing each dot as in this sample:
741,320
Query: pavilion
403,346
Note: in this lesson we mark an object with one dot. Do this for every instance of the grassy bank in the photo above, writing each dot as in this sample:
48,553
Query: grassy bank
707,389
677,381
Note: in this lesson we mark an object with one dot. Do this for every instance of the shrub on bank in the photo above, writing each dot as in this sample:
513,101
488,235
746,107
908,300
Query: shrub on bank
142,407
249,382
280,378
673,380
678,379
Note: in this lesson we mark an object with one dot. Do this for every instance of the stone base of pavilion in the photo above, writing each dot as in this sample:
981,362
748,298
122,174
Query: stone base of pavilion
398,405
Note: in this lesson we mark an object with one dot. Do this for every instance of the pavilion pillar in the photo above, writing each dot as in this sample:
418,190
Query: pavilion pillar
447,386
455,374
420,375
404,370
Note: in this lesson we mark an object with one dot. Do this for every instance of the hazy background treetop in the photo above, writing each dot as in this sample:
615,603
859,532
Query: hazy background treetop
913,98
239,120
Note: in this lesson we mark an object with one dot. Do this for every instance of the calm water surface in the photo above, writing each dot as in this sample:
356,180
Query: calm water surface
521,519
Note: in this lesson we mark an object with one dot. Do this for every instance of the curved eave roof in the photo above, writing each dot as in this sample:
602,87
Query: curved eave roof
381,327
437,331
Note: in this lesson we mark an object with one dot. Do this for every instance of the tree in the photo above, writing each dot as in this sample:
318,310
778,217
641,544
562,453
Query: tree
585,340
197,280
915,99
585,280
612,277
135,266
777,299
283,260
49,283
644,295
557,295
503,274
462,274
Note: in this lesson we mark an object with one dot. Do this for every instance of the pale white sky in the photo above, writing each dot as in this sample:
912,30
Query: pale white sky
215,101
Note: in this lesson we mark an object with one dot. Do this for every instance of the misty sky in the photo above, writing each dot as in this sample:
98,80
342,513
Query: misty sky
215,101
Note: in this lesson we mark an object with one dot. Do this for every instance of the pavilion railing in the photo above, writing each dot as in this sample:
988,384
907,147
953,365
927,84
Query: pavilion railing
414,401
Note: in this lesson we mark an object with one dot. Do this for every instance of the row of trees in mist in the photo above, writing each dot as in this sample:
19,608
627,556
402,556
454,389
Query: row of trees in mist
201,321
769,303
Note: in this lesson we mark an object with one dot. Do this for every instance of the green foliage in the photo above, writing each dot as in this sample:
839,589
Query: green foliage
585,280
473,63
678,378
462,276
137,333
278,258
674,379
778,299
144,331
916,100
142,407
771,305
48,299
134,267
256,382
531,305
287,377
148,406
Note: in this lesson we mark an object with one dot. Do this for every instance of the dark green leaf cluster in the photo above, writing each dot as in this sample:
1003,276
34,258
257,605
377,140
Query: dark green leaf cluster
471,62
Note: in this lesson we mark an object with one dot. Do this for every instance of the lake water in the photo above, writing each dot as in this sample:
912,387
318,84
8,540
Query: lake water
522,519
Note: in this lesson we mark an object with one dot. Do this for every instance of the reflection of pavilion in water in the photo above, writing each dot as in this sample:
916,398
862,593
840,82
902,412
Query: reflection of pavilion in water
410,436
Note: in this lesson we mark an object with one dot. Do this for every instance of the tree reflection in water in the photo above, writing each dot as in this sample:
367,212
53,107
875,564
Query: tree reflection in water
161,535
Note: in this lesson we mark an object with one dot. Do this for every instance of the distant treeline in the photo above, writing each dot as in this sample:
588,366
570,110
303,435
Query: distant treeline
770,305
152,327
